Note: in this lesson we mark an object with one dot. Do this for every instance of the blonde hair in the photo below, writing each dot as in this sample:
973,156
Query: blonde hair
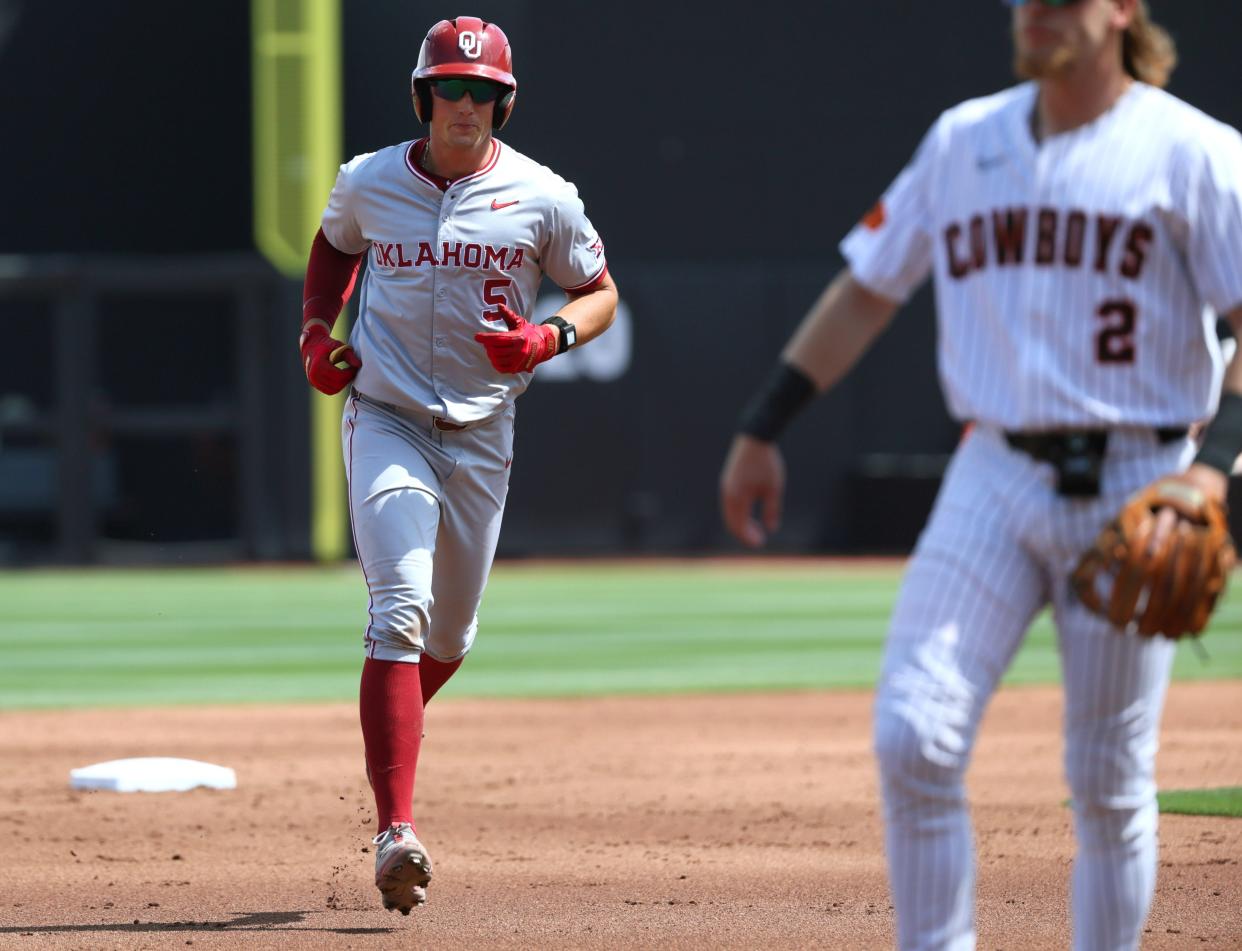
1148,52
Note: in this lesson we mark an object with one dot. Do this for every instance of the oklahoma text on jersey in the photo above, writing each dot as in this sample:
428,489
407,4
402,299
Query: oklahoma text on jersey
455,254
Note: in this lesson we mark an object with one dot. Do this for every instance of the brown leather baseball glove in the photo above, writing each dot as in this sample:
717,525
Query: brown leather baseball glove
1169,589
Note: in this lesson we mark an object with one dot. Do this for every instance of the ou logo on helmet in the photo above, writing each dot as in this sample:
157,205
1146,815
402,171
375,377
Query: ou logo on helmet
470,43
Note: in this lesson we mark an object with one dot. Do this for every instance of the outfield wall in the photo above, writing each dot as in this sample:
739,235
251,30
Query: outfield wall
722,157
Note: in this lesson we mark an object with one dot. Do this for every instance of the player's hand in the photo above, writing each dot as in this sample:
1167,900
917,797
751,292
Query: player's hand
522,346
753,473
1211,482
322,356
1160,565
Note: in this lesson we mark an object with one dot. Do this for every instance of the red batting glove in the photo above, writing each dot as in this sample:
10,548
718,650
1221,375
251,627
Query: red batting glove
522,346
320,356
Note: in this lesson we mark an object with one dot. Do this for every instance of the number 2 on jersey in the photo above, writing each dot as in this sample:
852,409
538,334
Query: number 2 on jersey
493,293
1115,342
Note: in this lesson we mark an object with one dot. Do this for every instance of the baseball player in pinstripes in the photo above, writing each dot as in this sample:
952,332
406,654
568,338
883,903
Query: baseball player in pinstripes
1084,229
460,230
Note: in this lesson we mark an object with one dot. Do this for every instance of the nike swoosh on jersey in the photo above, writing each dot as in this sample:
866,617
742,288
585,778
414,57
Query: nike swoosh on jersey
497,205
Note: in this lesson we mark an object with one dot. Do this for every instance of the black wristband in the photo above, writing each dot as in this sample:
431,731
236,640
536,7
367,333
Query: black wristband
1222,441
776,403
569,333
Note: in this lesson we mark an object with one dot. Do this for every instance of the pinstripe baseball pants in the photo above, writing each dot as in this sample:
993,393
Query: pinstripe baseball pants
998,548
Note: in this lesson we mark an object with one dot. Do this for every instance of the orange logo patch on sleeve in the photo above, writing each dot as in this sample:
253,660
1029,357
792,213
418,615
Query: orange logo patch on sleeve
875,218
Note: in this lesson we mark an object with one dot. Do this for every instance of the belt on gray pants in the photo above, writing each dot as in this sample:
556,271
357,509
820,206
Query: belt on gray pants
422,417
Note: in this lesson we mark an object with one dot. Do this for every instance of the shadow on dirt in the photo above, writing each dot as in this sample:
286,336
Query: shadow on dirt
254,921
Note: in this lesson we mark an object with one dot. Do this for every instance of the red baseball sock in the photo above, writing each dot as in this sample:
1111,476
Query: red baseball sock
391,709
434,674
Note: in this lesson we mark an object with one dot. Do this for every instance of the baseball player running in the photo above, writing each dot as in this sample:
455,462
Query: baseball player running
1084,229
459,229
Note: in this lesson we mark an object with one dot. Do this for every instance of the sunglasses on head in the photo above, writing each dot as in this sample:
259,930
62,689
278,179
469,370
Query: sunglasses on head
453,89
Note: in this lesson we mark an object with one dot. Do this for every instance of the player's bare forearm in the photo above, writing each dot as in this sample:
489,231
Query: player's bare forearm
837,331
593,311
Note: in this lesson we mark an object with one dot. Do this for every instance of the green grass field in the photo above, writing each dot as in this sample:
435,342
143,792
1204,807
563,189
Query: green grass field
133,638
1221,801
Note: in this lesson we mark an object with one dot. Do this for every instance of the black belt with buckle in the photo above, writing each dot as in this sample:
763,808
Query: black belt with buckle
1077,454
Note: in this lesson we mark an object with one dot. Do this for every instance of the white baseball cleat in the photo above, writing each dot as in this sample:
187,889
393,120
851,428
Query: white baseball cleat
402,868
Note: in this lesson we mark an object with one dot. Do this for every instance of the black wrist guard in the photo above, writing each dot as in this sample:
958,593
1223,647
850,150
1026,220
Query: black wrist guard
1222,441
569,333
776,403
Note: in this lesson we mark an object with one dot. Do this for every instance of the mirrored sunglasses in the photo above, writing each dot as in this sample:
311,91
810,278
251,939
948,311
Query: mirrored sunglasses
453,89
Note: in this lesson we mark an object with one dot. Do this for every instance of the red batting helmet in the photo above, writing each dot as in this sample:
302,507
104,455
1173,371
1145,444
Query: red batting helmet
465,47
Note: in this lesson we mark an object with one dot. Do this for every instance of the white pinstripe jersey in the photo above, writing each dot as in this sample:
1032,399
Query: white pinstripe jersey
440,261
1078,280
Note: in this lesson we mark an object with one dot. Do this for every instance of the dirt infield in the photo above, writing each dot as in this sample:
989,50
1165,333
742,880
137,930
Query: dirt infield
692,822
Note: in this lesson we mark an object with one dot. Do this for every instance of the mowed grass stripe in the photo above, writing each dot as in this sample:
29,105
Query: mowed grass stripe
1220,801
110,637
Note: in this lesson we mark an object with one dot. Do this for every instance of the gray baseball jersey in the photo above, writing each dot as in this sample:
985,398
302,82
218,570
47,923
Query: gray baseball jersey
442,257
1077,281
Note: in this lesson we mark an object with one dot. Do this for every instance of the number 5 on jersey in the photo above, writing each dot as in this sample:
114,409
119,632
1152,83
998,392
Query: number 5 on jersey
493,293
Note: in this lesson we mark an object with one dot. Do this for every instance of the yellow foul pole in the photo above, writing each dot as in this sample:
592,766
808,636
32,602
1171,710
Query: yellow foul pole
297,149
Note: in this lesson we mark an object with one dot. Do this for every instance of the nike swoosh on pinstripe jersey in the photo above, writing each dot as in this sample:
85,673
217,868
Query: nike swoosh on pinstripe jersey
497,205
